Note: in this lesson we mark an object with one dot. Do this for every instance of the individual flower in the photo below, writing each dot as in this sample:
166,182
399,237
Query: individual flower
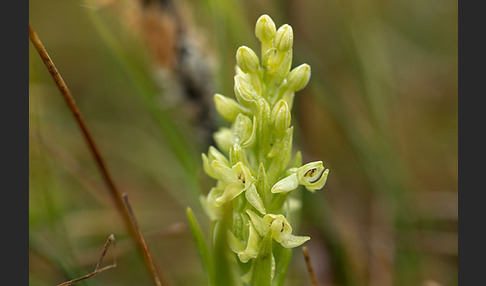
312,175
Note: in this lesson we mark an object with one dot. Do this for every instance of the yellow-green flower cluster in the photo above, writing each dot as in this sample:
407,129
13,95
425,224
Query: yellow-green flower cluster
253,163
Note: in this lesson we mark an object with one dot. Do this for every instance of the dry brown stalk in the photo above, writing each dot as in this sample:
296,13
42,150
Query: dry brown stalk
98,270
146,252
113,190
309,266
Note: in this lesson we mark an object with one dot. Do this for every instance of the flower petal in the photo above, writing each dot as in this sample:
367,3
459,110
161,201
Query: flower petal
234,243
257,223
231,192
287,184
294,241
254,199
223,172
251,250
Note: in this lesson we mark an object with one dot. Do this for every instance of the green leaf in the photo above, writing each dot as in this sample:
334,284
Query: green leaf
201,245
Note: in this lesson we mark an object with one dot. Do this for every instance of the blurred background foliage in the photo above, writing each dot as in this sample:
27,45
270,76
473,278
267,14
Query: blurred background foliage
380,110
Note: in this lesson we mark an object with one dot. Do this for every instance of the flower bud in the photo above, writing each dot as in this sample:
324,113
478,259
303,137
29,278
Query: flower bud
263,125
270,60
313,176
244,91
242,128
265,28
281,116
299,77
247,60
250,141
227,107
284,38
287,148
281,71
276,66
282,153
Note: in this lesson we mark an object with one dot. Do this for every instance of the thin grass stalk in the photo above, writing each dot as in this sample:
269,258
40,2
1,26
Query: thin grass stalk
308,263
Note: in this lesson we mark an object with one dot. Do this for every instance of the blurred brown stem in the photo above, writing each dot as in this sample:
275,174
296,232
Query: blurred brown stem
113,190
146,252
309,266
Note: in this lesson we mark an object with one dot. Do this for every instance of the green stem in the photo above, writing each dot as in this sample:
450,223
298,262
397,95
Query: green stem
282,261
224,259
262,266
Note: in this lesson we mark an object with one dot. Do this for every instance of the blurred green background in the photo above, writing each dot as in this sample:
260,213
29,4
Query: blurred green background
380,110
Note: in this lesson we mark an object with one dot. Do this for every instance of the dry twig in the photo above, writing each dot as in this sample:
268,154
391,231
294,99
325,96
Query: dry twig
98,270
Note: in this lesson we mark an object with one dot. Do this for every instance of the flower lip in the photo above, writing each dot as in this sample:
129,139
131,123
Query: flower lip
311,173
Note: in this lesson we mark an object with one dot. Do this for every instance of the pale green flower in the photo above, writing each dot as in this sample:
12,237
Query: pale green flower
253,168
278,227
312,175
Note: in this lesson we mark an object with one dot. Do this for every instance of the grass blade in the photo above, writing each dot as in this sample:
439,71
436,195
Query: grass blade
201,245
